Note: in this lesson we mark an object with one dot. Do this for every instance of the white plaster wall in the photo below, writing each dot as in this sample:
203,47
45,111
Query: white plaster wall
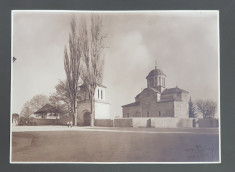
102,110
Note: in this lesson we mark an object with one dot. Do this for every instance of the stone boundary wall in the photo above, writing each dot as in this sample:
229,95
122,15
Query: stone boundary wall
161,122
124,122
141,122
172,122
63,120
208,123
104,122
45,121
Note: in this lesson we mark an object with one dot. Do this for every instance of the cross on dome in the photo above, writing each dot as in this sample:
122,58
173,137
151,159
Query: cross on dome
156,64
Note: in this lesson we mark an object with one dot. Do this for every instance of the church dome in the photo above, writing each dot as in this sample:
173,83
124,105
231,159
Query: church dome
155,72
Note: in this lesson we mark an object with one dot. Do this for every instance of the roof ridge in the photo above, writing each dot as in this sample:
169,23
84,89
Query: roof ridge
173,90
131,104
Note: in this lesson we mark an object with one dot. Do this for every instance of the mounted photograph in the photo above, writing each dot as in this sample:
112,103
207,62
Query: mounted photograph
115,87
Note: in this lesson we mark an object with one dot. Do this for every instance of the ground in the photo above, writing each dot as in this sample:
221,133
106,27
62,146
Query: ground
86,144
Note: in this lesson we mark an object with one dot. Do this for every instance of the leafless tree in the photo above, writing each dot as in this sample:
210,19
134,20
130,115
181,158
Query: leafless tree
72,61
38,101
92,46
206,107
60,98
33,105
26,110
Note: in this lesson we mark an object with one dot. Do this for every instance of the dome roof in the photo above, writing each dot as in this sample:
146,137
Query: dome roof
155,72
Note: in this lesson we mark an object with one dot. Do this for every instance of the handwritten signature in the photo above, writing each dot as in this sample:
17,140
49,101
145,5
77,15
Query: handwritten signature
200,152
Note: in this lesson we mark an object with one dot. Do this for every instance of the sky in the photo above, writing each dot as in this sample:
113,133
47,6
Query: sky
185,45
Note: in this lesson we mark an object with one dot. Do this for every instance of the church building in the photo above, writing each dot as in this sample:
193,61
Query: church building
158,101
101,106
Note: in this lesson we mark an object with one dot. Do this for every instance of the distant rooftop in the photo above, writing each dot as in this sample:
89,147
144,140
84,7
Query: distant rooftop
46,109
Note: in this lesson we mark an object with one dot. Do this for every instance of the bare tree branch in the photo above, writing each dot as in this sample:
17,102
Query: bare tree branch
207,108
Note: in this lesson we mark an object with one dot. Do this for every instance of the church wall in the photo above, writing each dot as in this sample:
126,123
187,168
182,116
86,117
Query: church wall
161,109
185,97
172,96
147,99
156,109
181,109
132,111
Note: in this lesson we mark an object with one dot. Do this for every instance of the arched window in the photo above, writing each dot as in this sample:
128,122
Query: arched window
98,93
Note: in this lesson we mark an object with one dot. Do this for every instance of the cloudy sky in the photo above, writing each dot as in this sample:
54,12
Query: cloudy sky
185,45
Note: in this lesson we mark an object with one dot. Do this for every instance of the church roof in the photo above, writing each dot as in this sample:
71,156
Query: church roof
155,72
173,90
153,89
137,96
132,104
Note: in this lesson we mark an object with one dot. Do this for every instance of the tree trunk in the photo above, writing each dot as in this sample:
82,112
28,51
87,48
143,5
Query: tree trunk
92,111
56,118
75,113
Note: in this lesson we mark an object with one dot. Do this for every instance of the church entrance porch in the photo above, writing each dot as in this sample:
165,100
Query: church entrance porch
87,119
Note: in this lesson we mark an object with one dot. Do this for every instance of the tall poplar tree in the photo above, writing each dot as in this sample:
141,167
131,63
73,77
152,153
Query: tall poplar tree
72,61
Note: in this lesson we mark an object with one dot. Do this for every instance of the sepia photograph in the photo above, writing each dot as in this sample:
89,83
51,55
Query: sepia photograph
115,87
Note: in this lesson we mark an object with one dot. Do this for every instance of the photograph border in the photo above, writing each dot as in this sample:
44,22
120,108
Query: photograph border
227,27
127,11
